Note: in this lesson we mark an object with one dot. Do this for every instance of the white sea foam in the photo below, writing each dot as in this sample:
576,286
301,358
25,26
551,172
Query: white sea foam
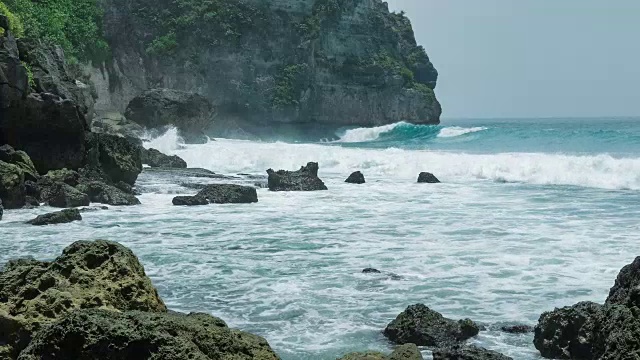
169,141
232,156
454,131
367,134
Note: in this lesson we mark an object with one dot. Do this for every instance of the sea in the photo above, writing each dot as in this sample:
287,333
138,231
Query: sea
531,214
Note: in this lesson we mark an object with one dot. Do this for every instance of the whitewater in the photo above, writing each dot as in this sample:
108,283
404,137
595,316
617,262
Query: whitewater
531,215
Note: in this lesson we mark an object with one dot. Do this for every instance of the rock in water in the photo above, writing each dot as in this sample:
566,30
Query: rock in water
355,178
191,113
517,329
305,179
140,335
69,177
106,194
1,209
428,178
626,290
467,353
220,194
424,327
567,333
403,352
371,271
155,158
59,217
97,274
12,188
21,160
112,159
61,195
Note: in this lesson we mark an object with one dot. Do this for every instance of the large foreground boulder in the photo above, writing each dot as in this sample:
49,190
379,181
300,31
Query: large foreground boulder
305,179
98,274
220,194
58,217
100,334
403,352
106,194
190,113
154,158
467,353
427,178
112,159
424,327
626,289
12,188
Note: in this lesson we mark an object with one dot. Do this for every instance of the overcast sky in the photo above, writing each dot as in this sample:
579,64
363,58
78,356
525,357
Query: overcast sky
531,58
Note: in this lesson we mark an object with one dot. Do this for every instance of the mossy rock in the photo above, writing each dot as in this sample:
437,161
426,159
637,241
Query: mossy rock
403,352
88,274
141,335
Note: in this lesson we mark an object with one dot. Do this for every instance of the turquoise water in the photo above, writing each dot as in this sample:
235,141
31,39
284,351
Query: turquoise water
531,215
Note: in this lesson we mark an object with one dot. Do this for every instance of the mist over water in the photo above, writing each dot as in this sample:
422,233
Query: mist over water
530,215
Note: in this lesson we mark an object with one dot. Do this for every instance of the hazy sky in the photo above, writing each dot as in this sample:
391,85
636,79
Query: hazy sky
531,58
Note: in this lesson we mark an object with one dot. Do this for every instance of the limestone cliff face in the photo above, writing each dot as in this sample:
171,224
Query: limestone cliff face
271,63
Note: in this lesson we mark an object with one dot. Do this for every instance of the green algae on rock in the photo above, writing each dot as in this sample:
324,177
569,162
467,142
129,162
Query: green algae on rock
88,274
144,335
402,352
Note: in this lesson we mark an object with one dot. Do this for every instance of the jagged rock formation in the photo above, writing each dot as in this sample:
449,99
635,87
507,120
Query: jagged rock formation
154,158
467,353
403,352
58,217
99,274
271,65
305,179
220,194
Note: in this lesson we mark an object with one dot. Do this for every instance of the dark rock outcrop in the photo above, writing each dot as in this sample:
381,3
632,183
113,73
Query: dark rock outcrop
371,271
14,83
467,353
98,274
1,209
106,194
58,217
305,179
424,327
190,113
19,158
12,188
114,123
427,178
69,177
61,195
142,335
112,159
220,194
154,158
403,352
517,329
626,289
356,178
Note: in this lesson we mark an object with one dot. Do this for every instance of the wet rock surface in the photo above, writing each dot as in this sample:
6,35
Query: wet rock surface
61,195
58,217
88,274
106,194
305,179
467,353
427,178
403,352
220,194
356,178
424,327
155,158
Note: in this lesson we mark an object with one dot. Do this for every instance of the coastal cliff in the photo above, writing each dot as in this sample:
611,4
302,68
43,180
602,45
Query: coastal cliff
270,65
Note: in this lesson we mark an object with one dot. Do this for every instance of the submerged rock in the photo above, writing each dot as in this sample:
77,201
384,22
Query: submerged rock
88,274
61,195
12,188
517,329
58,217
220,194
106,194
371,271
424,327
356,178
155,158
403,352
142,335
428,178
190,113
305,179
467,353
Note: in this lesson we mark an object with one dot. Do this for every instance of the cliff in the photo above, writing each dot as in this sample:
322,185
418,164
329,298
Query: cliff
270,64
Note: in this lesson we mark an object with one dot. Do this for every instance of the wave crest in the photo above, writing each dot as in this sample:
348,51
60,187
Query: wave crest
403,131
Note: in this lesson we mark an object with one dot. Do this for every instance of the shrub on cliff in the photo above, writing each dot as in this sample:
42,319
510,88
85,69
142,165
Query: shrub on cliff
15,25
73,24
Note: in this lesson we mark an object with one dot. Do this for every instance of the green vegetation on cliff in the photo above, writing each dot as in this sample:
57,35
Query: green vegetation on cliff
73,24
15,25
